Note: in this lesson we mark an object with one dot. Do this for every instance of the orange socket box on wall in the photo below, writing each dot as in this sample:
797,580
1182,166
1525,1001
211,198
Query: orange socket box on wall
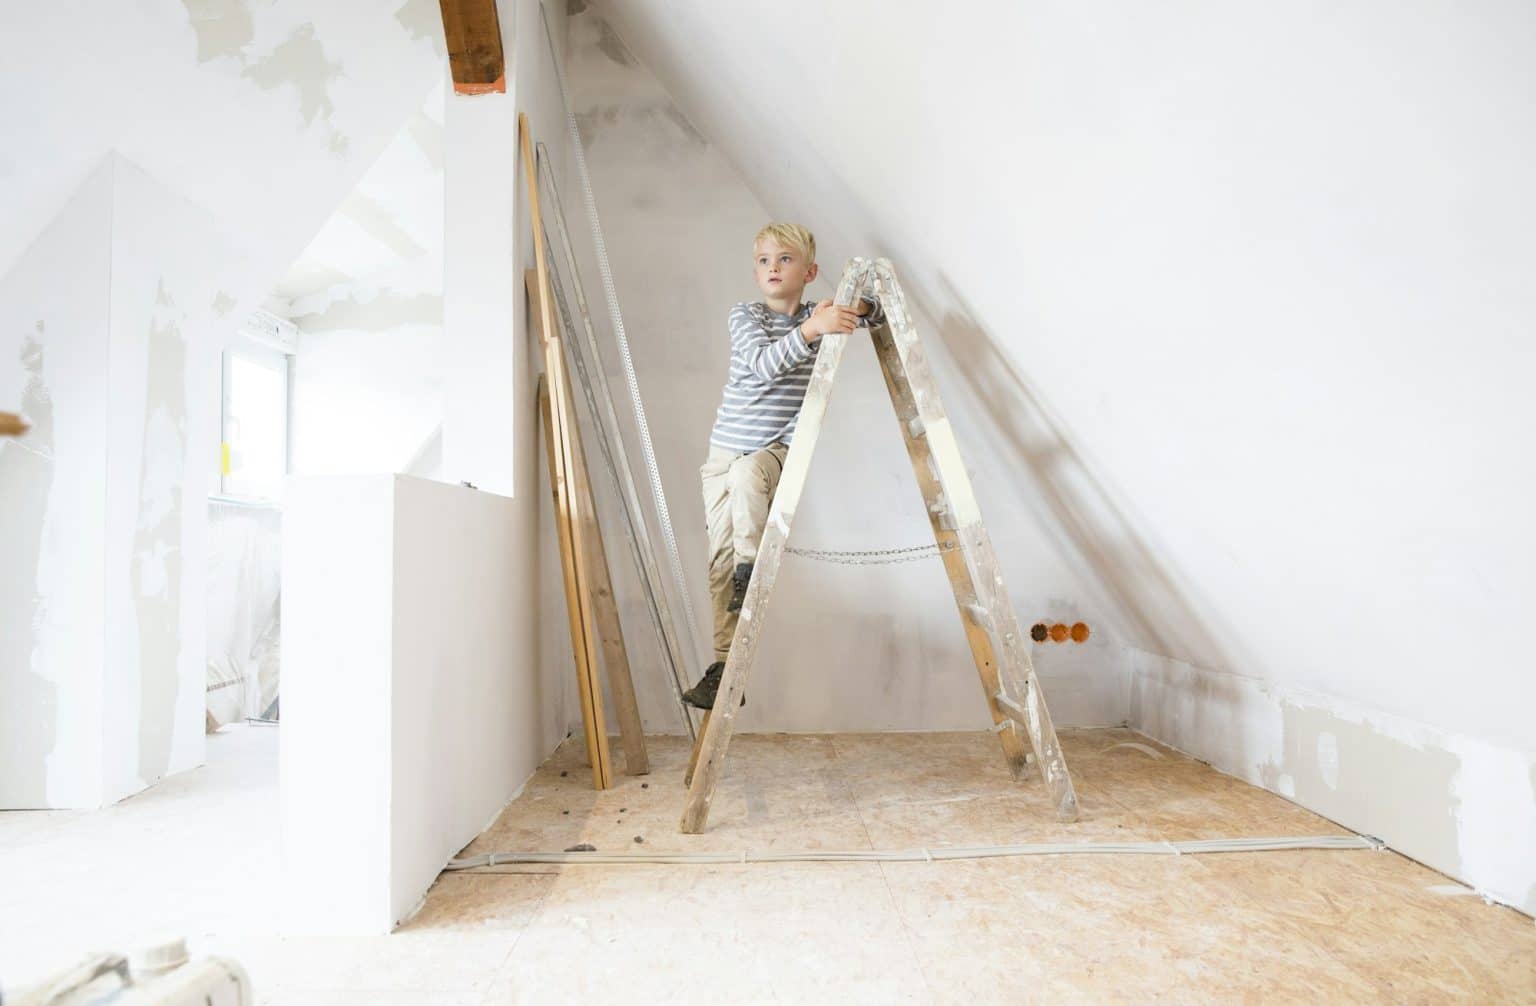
1059,632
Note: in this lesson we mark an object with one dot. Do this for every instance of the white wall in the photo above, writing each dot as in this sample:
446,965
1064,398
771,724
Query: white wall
151,199
414,707
1239,295
103,316
851,648
367,377
473,702
367,297
53,351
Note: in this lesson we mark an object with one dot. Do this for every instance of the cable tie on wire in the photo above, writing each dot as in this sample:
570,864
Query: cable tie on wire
1173,848
927,855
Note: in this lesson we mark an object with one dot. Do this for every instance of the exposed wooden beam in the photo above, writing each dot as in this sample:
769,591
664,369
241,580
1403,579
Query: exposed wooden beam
12,425
474,46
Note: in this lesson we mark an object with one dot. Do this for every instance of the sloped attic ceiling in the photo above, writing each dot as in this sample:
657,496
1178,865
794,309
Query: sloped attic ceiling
1262,273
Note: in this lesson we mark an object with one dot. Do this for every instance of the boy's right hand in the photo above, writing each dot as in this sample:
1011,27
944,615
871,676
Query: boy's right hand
829,317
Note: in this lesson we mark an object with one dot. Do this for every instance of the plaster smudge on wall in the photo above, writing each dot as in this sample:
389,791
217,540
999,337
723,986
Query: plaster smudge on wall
156,556
382,313
223,303
373,217
612,46
1374,776
423,19
225,30
429,136
223,27
300,61
26,478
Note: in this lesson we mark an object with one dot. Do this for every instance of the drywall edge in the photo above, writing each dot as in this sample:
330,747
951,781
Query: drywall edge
1459,804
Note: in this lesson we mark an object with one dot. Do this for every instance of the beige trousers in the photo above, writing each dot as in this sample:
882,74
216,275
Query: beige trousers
738,490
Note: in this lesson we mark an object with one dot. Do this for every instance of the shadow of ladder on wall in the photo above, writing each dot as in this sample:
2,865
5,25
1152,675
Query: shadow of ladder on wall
1002,660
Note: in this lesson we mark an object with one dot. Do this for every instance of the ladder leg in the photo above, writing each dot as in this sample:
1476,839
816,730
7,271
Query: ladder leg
693,759
1007,673
1015,749
716,736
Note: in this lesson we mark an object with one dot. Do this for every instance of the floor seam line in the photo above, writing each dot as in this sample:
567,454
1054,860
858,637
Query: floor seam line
885,881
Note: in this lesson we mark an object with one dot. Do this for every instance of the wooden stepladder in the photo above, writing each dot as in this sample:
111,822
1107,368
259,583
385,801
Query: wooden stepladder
590,607
991,627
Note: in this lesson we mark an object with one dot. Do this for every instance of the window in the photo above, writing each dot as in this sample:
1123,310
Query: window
254,453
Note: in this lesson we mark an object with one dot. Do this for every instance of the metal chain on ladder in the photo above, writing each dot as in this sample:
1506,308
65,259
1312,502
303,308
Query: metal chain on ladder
867,557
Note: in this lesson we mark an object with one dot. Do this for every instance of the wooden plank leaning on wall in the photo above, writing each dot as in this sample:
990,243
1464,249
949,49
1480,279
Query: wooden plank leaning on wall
605,610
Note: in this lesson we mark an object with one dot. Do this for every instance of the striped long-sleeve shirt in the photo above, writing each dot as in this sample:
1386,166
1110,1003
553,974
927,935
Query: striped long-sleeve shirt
771,366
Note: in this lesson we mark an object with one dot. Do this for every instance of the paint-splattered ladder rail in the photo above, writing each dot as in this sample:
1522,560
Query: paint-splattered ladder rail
991,628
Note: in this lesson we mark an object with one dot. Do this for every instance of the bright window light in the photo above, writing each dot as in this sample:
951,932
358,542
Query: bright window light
254,454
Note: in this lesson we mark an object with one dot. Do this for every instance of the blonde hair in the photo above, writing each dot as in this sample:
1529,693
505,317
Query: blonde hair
790,236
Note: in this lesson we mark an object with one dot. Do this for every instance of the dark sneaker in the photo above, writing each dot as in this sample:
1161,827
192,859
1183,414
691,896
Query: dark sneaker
741,576
702,695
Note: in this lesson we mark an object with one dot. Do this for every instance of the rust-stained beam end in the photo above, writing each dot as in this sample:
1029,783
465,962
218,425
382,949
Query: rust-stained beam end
473,33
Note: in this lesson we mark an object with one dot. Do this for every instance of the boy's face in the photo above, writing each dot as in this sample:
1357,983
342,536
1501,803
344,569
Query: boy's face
781,272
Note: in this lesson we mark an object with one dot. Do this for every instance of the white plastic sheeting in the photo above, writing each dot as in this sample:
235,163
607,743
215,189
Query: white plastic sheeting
244,587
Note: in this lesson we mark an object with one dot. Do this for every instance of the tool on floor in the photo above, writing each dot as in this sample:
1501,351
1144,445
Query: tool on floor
161,974
590,608
997,643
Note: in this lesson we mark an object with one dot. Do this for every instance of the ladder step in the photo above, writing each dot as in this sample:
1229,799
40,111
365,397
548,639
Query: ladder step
1013,709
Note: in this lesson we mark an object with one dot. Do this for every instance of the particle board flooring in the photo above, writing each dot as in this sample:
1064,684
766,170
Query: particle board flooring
1326,926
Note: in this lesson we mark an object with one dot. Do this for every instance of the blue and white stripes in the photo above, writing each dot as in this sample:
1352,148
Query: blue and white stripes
771,367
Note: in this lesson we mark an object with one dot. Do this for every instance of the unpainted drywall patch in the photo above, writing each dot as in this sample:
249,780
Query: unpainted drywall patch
1328,759
612,46
661,131
373,217
156,556
382,313
28,716
430,137
423,19
1530,892
1375,780
225,30
684,128
223,27
299,61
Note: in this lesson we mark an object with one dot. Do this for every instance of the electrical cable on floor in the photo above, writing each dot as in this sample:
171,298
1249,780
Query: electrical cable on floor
1207,846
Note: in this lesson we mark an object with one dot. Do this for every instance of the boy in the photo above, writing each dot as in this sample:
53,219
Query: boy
773,351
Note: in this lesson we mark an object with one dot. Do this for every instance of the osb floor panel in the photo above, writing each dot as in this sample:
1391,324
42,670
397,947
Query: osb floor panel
1289,926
